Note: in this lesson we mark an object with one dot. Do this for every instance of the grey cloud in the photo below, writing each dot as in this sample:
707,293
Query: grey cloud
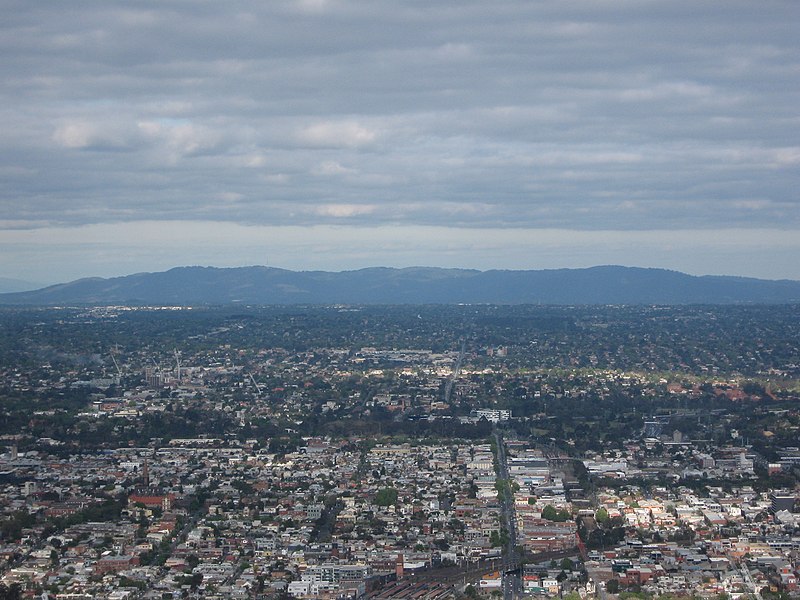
586,115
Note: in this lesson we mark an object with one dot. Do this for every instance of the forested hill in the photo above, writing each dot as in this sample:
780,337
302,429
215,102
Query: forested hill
415,285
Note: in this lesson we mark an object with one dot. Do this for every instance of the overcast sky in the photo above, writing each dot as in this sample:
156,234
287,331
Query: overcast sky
339,134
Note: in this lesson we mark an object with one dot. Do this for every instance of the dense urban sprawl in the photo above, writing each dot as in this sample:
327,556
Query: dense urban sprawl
399,452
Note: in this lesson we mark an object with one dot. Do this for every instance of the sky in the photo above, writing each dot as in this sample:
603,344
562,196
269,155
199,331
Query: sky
342,134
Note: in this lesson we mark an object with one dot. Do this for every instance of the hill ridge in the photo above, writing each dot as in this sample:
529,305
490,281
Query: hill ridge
258,284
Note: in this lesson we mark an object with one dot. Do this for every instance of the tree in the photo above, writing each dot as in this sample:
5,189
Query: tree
753,388
10,592
601,515
612,586
386,497
494,538
11,528
549,512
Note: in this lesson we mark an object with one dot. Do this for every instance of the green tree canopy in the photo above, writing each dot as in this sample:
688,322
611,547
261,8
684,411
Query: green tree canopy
386,497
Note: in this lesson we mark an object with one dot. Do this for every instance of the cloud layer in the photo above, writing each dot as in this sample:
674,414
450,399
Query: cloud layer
624,115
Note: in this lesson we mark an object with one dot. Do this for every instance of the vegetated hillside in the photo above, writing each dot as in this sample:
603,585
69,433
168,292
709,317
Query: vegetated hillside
415,285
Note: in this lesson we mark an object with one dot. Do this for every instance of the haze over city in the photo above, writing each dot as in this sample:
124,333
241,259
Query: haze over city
331,134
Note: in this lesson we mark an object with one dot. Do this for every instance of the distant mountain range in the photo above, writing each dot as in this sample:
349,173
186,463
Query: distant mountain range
415,285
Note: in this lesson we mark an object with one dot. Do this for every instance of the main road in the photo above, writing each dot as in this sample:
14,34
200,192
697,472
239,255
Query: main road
448,388
511,581
748,579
